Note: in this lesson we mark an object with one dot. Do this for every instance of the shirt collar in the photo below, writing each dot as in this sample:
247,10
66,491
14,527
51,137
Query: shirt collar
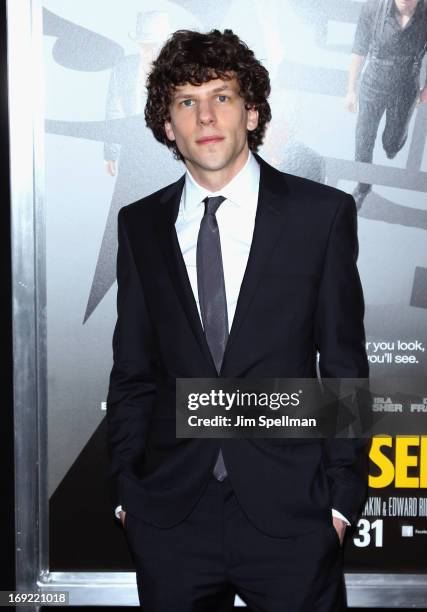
236,191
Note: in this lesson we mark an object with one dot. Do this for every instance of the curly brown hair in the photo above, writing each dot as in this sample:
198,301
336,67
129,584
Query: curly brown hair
195,58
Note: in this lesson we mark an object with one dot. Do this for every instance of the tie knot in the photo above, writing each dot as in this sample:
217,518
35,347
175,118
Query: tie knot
212,204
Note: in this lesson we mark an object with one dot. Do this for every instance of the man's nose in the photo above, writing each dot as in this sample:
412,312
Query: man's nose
206,112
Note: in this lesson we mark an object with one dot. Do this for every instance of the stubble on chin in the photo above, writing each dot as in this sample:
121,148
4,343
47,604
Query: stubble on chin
207,164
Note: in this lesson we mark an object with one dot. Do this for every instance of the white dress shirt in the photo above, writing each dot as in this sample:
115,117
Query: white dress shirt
236,222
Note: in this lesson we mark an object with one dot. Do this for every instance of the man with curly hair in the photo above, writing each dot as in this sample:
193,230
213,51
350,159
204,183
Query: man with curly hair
235,270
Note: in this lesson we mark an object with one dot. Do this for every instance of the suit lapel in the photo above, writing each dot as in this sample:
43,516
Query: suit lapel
168,239
269,224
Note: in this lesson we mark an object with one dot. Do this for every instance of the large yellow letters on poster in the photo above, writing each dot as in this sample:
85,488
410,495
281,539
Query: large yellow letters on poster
409,468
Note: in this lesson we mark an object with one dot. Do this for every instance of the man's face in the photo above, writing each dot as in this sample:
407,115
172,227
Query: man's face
406,5
209,124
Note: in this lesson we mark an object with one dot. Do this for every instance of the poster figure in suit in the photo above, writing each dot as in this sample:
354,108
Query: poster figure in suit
234,270
126,91
130,150
393,35
128,143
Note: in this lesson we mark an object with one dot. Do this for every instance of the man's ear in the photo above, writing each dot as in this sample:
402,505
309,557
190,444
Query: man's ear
252,119
169,131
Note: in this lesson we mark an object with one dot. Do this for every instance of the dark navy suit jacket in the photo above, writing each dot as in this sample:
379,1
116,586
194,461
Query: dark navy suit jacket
301,294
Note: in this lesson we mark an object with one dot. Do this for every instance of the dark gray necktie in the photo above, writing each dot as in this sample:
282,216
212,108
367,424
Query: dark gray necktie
212,298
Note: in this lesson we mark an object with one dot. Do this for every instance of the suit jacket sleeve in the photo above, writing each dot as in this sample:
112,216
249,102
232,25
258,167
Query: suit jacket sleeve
340,340
132,385
365,28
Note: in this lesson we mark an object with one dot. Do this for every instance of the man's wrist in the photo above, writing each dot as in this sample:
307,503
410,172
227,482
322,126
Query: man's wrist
117,511
337,514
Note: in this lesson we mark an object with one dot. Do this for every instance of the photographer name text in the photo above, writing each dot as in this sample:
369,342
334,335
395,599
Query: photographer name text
259,421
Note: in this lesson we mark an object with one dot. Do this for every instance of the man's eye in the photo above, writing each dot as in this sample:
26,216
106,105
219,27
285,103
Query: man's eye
222,98
187,102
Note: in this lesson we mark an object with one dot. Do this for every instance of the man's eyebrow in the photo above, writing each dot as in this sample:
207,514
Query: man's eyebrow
183,94
222,88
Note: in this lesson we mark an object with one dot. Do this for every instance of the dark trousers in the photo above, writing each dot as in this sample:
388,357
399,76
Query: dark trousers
201,563
398,103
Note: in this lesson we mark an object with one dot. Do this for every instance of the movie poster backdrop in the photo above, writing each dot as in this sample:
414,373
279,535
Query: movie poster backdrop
99,156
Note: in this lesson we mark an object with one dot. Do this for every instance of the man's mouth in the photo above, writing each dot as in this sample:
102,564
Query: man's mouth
209,140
